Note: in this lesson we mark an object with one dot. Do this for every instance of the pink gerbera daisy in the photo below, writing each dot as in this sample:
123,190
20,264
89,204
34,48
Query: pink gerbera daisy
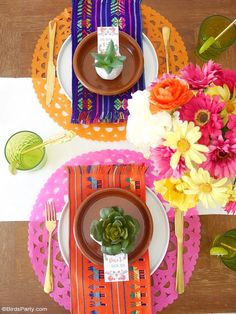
204,112
230,207
232,127
221,158
198,78
161,157
227,77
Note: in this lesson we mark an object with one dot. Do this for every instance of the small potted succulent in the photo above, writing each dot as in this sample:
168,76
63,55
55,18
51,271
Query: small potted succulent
109,65
115,231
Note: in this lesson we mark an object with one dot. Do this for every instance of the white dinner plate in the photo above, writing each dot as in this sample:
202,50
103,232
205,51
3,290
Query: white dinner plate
160,238
64,64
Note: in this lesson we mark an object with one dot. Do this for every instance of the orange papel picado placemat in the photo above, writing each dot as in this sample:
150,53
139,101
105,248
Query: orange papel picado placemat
89,292
60,106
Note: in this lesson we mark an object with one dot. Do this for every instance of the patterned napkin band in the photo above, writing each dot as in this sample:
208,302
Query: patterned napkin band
89,292
87,15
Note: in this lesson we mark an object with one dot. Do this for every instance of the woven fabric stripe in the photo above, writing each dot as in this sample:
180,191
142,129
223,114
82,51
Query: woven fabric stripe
90,294
87,15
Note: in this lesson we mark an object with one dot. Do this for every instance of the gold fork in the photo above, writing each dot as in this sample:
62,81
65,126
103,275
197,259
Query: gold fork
51,223
166,39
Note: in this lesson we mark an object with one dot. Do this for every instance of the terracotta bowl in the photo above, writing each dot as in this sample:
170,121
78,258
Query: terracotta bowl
89,210
86,73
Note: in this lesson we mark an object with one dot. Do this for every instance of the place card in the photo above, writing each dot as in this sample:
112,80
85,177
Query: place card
116,267
105,35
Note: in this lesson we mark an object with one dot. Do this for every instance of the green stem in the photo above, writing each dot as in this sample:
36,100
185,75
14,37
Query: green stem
234,184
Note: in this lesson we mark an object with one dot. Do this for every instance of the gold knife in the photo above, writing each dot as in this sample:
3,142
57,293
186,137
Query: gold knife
51,67
179,225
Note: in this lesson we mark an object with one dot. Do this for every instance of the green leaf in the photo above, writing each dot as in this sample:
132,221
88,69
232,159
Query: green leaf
118,209
125,233
137,225
129,248
112,250
125,244
105,239
117,223
116,64
108,69
113,214
98,56
110,51
121,58
105,212
94,230
106,222
99,65
108,60
121,219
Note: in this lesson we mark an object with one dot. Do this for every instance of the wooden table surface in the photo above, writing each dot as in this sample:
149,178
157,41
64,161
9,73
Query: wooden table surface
212,288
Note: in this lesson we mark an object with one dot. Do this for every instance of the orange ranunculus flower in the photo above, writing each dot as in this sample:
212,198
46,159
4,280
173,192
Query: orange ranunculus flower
169,94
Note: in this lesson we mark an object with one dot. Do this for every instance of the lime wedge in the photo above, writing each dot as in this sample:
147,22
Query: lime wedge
228,243
210,41
218,251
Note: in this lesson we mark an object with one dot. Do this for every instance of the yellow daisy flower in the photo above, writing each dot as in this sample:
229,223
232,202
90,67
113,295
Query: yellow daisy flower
184,139
225,96
231,193
172,190
210,191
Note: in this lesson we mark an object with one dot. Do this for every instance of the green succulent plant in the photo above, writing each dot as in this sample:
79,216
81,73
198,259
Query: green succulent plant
109,60
115,231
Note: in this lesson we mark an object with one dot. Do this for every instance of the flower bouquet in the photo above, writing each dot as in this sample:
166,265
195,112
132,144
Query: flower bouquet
186,125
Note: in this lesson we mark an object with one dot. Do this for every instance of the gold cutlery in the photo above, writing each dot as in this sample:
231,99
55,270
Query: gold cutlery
51,67
179,225
51,224
166,39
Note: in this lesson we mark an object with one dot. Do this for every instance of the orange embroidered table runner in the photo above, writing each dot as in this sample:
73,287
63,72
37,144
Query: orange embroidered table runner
89,292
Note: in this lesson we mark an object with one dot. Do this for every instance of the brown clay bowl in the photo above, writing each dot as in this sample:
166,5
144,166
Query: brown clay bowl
86,73
89,210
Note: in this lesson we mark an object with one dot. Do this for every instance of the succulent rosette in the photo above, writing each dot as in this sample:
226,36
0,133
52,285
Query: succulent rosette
115,231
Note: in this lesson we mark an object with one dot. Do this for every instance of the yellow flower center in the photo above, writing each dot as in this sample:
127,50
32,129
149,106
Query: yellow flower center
201,117
205,188
229,107
183,145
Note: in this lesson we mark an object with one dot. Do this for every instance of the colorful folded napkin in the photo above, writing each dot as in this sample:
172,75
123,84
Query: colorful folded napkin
87,15
89,293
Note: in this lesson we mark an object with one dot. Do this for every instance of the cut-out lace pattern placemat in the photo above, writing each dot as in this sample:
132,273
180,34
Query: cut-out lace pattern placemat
163,280
60,108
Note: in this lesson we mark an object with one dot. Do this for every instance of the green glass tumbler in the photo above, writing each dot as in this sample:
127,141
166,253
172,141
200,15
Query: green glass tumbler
213,26
225,247
20,142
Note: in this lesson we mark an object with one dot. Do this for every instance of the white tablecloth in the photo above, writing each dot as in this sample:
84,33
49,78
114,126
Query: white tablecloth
21,110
